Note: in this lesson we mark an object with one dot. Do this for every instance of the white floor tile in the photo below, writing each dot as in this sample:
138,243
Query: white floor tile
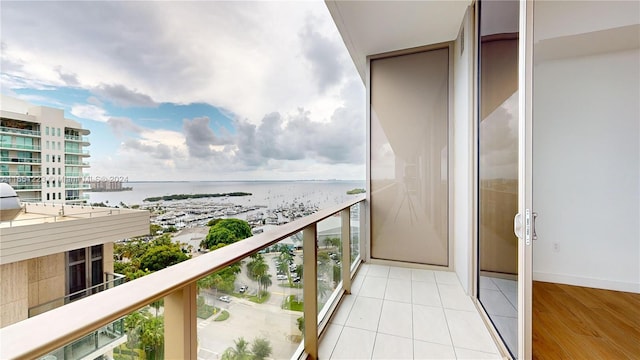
508,328
487,284
329,340
373,287
398,290
496,303
354,344
356,285
392,347
425,293
399,273
425,350
469,332
467,354
396,319
378,270
453,297
342,313
509,288
423,275
430,324
446,277
365,313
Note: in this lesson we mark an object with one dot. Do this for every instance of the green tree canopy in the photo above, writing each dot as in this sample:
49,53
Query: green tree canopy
226,231
261,349
160,257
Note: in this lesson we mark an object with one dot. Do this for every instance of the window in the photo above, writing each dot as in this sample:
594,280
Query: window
84,270
47,172
48,193
54,159
47,144
4,170
54,195
58,131
59,171
59,147
48,185
47,130
59,158
60,196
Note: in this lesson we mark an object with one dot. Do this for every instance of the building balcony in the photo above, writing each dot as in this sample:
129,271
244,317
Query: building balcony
77,138
8,130
75,162
22,173
76,174
77,186
80,152
32,160
331,311
26,187
21,147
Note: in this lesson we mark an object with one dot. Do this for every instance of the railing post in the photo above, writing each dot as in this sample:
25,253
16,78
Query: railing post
180,324
345,216
310,290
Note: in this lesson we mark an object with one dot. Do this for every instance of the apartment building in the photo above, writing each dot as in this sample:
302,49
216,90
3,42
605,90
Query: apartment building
55,254
503,146
43,155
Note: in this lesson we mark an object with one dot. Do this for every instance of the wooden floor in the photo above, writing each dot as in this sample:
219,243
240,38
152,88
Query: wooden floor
571,322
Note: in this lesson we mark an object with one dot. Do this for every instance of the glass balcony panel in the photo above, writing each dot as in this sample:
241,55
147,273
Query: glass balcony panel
329,261
355,236
253,309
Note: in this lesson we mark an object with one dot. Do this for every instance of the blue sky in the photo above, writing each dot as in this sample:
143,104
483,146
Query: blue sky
193,91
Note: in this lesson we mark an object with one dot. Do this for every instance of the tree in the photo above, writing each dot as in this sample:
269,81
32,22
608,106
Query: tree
300,322
261,349
160,257
239,352
265,281
226,231
256,269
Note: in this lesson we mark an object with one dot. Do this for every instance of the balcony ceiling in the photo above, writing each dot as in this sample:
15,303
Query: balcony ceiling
374,27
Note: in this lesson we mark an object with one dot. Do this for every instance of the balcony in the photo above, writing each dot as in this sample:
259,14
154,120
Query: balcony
77,138
22,173
95,343
76,162
32,160
388,312
20,147
77,186
76,152
8,130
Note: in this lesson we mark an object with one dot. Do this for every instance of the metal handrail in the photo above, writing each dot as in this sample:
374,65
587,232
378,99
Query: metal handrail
39,335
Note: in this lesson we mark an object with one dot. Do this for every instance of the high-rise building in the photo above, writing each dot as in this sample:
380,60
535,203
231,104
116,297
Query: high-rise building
42,154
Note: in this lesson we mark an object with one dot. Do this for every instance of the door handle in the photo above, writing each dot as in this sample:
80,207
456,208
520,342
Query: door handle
534,235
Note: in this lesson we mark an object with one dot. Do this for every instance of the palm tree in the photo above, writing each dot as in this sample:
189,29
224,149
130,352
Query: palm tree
265,281
261,349
239,352
257,268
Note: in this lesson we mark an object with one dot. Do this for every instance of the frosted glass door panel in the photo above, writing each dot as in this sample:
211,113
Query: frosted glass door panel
409,157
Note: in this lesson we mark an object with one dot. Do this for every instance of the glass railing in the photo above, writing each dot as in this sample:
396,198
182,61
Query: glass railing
267,307
76,151
111,280
19,187
30,199
76,162
35,160
76,138
20,147
76,174
4,129
21,173
77,186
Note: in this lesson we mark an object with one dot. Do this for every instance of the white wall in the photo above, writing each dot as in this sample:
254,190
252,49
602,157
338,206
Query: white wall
462,157
586,185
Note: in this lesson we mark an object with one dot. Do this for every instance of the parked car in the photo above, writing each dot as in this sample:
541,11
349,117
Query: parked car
281,277
243,288
296,280
225,298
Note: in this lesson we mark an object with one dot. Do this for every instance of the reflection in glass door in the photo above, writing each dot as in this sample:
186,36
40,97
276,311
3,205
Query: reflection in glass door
498,166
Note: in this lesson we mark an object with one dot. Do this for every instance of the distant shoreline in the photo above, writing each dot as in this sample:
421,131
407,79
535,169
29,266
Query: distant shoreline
111,190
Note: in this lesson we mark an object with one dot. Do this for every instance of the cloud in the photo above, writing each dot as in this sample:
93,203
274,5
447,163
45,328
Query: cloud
200,139
322,53
90,112
69,79
120,126
123,97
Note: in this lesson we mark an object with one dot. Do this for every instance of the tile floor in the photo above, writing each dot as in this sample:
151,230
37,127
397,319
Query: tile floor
399,313
500,300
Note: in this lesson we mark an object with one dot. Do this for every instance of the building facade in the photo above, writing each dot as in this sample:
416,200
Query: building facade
42,154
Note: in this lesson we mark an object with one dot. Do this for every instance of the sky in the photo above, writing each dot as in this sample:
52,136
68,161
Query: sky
204,90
